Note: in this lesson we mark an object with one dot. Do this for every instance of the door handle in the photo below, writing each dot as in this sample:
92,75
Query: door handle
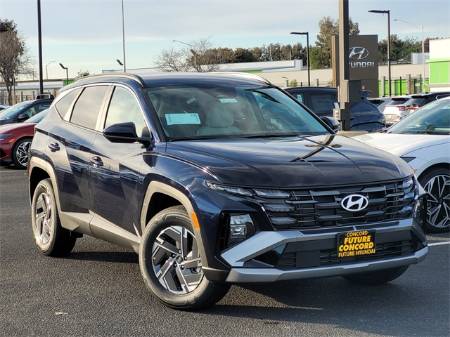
96,161
53,147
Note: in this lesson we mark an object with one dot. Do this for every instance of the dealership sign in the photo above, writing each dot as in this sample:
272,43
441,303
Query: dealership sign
363,57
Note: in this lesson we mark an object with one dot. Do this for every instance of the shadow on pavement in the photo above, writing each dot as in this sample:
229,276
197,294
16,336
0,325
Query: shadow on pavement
123,257
339,303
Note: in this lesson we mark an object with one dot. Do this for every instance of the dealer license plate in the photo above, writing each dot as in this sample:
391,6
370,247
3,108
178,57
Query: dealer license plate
356,243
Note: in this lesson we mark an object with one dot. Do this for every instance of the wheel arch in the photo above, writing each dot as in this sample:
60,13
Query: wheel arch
39,169
160,196
433,167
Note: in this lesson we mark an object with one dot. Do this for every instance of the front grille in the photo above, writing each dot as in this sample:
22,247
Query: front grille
319,208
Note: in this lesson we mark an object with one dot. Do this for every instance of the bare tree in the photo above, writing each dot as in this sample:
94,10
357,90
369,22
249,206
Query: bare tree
13,59
173,60
204,58
200,57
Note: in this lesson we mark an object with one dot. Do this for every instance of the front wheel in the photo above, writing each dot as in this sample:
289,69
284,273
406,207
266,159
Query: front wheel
437,185
376,277
170,263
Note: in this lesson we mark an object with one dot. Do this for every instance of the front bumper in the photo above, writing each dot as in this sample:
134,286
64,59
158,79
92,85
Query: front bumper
246,265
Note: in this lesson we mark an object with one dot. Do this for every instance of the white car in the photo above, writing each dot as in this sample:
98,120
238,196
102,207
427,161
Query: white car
423,141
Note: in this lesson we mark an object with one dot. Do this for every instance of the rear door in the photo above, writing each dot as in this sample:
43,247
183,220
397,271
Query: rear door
117,182
71,146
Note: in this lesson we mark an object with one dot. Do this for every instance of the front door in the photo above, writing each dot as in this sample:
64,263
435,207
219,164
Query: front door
116,174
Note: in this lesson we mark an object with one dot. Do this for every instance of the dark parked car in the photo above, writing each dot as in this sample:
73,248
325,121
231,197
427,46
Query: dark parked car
321,100
20,112
215,179
15,140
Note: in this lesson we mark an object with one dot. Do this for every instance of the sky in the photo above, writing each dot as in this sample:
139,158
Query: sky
87,34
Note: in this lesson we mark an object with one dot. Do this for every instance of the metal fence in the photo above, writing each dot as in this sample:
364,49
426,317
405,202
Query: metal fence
403,86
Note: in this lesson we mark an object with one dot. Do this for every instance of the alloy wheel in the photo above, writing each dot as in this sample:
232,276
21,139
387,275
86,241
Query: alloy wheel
44,213
176,260
438,201
22,153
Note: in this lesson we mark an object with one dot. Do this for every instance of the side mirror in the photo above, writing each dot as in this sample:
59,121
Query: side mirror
22,116
332,123
126,133
121,133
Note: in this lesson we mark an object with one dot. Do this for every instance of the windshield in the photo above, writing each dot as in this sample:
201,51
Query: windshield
13,111
196,112
433,118
37,118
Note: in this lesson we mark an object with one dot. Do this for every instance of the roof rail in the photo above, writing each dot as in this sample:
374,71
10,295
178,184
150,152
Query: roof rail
133,77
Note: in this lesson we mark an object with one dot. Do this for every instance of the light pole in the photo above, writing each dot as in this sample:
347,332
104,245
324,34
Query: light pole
46,68
67,72
191,50
388,12
307,52
423,42
41,76
123,40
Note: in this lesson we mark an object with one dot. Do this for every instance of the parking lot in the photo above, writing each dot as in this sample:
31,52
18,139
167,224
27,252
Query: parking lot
98,291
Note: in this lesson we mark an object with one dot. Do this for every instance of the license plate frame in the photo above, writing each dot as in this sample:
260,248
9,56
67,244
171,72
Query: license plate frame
359,243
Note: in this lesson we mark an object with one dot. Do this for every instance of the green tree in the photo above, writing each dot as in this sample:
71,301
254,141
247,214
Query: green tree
327,28
400,49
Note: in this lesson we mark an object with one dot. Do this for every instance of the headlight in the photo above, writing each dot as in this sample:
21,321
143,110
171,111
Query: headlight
4,136
408,159
229,189
240,228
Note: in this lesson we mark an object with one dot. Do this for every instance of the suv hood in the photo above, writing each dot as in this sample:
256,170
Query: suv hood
292,162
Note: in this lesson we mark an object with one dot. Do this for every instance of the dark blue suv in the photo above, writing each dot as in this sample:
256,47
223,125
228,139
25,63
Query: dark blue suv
216,179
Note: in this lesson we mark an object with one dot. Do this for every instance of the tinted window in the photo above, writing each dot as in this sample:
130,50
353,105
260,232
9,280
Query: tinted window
416,101
38,117
87,107
323,103
64,103
124,108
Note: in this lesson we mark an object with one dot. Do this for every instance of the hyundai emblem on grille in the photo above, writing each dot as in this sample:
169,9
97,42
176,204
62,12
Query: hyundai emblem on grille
354,202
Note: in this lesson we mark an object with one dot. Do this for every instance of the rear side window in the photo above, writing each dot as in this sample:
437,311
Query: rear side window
124,108
64,104
86,109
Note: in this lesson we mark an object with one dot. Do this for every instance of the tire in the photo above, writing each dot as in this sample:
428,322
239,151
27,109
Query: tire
438,199
20,152
197,292
50,238
376,277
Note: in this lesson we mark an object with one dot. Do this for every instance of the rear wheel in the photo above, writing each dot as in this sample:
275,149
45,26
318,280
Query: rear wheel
20,152
170,263
376,277
437,185
51,239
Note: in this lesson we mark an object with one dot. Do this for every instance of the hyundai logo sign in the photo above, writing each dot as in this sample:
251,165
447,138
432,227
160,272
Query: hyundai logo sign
354,202
358,53
358,58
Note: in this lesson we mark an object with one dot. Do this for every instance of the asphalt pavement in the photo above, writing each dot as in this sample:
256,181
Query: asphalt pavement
98,291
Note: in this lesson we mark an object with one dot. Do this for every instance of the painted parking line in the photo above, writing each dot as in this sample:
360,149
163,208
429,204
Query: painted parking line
439,243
